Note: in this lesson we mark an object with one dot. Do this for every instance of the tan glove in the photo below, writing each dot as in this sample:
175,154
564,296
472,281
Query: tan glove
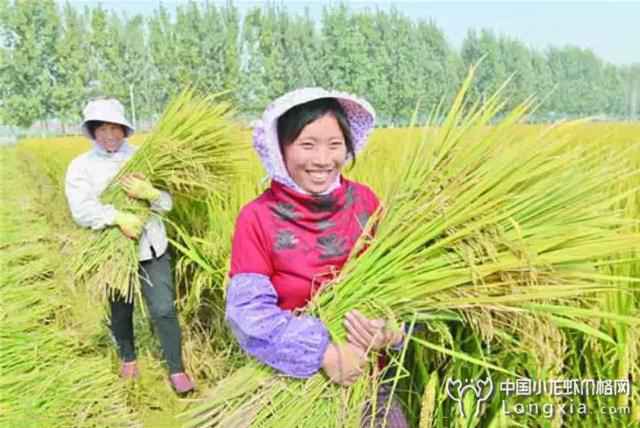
137,186
130,224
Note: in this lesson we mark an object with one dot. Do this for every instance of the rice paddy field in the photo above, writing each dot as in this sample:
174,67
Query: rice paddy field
529,238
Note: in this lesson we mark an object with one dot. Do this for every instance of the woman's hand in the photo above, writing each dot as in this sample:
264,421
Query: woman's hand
344,363
370,334
137,186
130,224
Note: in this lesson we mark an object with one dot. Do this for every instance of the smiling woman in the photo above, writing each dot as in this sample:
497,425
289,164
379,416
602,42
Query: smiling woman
315,140
109,136
87,177
296,237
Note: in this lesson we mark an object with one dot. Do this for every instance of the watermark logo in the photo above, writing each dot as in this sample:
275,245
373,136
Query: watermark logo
481,388
567,395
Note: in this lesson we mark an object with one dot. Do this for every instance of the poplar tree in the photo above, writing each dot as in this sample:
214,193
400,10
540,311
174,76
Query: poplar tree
71,72
29,33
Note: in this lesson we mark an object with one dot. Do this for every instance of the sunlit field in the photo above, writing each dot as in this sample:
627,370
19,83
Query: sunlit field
59,366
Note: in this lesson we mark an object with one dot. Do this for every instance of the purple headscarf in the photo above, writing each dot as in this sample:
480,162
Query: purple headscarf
360,114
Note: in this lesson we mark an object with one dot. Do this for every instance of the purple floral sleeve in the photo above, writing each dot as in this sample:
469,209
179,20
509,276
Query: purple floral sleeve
291,344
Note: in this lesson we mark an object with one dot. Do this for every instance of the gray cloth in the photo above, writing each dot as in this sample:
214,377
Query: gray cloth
158,292
393,418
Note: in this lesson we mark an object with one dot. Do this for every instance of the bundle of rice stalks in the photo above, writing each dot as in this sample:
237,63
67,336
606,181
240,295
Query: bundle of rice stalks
190,155
48,379
46,382
619,356
478,225
203,265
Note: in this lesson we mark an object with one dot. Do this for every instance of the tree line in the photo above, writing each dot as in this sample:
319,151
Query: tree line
54,58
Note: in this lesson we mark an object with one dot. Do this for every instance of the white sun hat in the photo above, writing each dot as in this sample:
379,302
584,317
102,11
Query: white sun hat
105,110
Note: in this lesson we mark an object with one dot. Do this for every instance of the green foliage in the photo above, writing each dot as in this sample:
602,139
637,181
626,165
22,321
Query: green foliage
578,73
54,57
29,31
71,70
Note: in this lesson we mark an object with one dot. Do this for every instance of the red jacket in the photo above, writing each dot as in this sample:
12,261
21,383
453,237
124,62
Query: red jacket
300,241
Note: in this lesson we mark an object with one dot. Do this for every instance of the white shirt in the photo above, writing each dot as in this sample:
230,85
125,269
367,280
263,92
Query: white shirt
87,177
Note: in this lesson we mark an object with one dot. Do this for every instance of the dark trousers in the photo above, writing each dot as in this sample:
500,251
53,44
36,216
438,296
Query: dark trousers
159,294
389,413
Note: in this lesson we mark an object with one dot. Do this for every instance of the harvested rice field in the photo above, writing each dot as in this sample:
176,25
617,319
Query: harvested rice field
510,252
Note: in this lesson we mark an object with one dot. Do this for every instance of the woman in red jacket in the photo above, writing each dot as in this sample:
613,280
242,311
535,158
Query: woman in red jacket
299,233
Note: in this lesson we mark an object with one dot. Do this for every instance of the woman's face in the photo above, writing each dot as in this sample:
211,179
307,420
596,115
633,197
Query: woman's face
314,159
109,136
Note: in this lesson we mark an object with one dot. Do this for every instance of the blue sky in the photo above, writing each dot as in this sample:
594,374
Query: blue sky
611,29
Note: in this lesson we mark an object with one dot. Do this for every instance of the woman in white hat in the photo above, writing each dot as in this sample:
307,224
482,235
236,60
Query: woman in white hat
87,176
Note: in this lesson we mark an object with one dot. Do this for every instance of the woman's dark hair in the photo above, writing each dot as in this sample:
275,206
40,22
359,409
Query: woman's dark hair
293,121
92,125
